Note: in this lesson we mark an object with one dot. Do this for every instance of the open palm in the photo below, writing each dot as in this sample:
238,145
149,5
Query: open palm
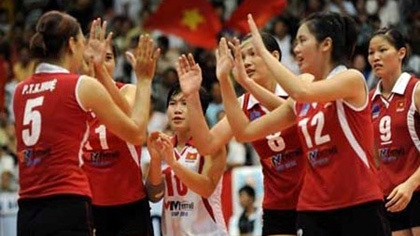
224,60
144,58
189,74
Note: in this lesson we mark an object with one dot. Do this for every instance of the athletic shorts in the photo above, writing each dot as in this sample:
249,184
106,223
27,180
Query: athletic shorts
366,219
279,222
407,218
60,215
132,219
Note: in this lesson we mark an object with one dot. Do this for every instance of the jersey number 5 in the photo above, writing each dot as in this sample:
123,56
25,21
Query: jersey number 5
319,121
32,117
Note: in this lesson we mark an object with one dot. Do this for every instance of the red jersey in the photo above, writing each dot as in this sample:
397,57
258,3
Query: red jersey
51,127
282,160
396,124
112,166
338,143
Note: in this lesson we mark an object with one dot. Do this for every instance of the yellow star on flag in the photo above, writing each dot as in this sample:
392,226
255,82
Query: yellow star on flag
192,18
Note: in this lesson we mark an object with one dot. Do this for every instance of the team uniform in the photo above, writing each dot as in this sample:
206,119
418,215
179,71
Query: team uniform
186,213
120,204
51,127
283,167
396,125
340,195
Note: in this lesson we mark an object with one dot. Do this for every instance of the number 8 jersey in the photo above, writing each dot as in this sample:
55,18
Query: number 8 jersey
186,212
281,159
51,126
396,124
338,143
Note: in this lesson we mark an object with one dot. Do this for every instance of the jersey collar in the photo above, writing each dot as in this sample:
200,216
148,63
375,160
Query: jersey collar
50,68
399,86
279,91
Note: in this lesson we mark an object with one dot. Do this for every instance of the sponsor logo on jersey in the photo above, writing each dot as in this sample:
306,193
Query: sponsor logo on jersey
179,208
286,160
321,156
254,114
33,156
103,158
305,109
400,105
375,110
391,154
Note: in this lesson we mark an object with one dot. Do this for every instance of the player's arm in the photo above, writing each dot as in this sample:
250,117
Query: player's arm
155,186
203,183
93,96
205,140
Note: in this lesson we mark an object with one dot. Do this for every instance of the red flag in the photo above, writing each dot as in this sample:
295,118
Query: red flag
193,20
261,11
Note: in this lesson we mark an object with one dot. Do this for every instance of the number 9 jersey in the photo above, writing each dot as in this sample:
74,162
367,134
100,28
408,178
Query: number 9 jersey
51,126
396,123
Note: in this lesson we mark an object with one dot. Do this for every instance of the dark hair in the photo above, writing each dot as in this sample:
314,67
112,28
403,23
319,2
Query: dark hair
394,37
53,31
341,30
248,190
269,42
204,96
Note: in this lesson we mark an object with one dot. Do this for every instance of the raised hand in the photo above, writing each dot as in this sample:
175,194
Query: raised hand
189,74
144,58
256,39
153,145
97,44
239,72
224,60
167,149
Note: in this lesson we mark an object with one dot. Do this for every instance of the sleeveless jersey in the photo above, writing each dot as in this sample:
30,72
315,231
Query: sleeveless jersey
51,127
281,156
338,143
112,166
396,123
185,212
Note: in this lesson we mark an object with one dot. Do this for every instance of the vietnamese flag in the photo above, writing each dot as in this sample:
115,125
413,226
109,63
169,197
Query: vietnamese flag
193,20
262,12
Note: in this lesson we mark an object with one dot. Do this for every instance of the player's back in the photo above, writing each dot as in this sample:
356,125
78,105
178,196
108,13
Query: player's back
50,128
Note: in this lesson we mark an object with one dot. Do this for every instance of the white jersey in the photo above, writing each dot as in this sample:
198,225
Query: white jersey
186,212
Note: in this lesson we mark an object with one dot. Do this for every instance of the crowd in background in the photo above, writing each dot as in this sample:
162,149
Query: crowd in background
126,19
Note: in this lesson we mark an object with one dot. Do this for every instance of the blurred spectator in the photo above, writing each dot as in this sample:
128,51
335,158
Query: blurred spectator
342,6
7,182
281,32
215,105
168,57
158,121
5,71
24,67
249,222
236,151
162,86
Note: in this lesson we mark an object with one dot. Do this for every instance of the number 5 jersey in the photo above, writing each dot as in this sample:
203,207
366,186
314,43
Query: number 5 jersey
51,126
